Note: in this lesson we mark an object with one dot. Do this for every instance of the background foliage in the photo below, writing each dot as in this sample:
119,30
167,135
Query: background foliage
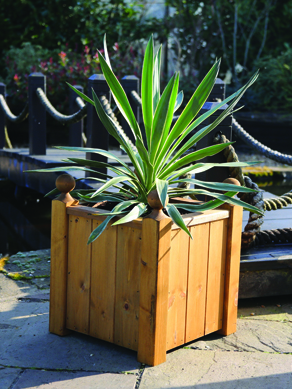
241,33
60,67
245,34
54,23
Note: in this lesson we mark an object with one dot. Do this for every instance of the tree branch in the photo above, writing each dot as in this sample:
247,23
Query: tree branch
225,56
265,31
234,41
251,35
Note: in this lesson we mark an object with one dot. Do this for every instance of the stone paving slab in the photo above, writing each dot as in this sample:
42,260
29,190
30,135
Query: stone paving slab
32,266
186,369
270,309
258,355
8,376
10,290
73,380
26,342
251,335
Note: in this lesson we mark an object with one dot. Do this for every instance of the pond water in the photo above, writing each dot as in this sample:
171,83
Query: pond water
25,218
278,188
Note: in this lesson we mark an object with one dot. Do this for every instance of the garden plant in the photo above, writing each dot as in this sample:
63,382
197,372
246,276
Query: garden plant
161,160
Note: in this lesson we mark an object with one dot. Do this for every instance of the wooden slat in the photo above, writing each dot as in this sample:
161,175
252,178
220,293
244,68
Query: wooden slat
59,263
127,287
103,280
154,291
97,214
79,267
232,271
216,275
190,219
193,219
177,291
197,281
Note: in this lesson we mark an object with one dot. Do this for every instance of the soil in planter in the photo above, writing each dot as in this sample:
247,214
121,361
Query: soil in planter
109,205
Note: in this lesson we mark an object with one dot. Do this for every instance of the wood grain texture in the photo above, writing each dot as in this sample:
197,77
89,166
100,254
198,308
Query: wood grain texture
59,264
154,283
197,281
103,283
79,268
177,291
97,214
216,276
193,219
127,287
230,305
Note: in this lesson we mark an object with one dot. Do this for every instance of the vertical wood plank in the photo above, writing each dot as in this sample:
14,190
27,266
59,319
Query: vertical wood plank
232,270
216,276
127,287
59,263
103,280
79,267
154,283
197,281
177,291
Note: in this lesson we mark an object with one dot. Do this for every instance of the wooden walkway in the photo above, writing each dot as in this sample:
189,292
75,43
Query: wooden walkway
15,161
267,270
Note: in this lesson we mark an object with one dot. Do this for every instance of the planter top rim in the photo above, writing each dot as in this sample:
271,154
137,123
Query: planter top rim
190,219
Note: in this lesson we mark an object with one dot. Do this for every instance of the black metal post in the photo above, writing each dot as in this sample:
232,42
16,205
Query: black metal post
37,115
97,135
130,83
76,129
2,118
225,127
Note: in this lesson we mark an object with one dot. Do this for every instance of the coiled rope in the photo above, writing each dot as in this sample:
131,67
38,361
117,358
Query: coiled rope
256,199
252,235
136,98
106,106
252,142
283,235
278,202
15,119
69,119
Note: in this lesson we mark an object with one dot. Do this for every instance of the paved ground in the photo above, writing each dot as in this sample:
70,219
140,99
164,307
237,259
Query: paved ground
258,356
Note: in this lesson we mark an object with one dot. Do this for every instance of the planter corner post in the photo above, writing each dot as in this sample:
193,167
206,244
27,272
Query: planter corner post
232,270
59,255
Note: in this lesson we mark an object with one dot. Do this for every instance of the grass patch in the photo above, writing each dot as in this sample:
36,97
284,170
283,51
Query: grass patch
18,276
2,264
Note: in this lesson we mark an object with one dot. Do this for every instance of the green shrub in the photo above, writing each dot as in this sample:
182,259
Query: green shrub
274,87
60,67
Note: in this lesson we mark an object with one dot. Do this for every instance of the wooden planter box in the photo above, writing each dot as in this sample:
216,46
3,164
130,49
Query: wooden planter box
145,285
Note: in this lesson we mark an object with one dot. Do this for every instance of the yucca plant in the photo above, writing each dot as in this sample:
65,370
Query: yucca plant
160,161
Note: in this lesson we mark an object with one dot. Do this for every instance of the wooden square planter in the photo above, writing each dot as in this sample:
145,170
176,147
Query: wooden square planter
144,285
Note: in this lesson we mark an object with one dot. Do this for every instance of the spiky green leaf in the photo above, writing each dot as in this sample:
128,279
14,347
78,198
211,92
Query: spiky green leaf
147,90
136,212
177,219
162,188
